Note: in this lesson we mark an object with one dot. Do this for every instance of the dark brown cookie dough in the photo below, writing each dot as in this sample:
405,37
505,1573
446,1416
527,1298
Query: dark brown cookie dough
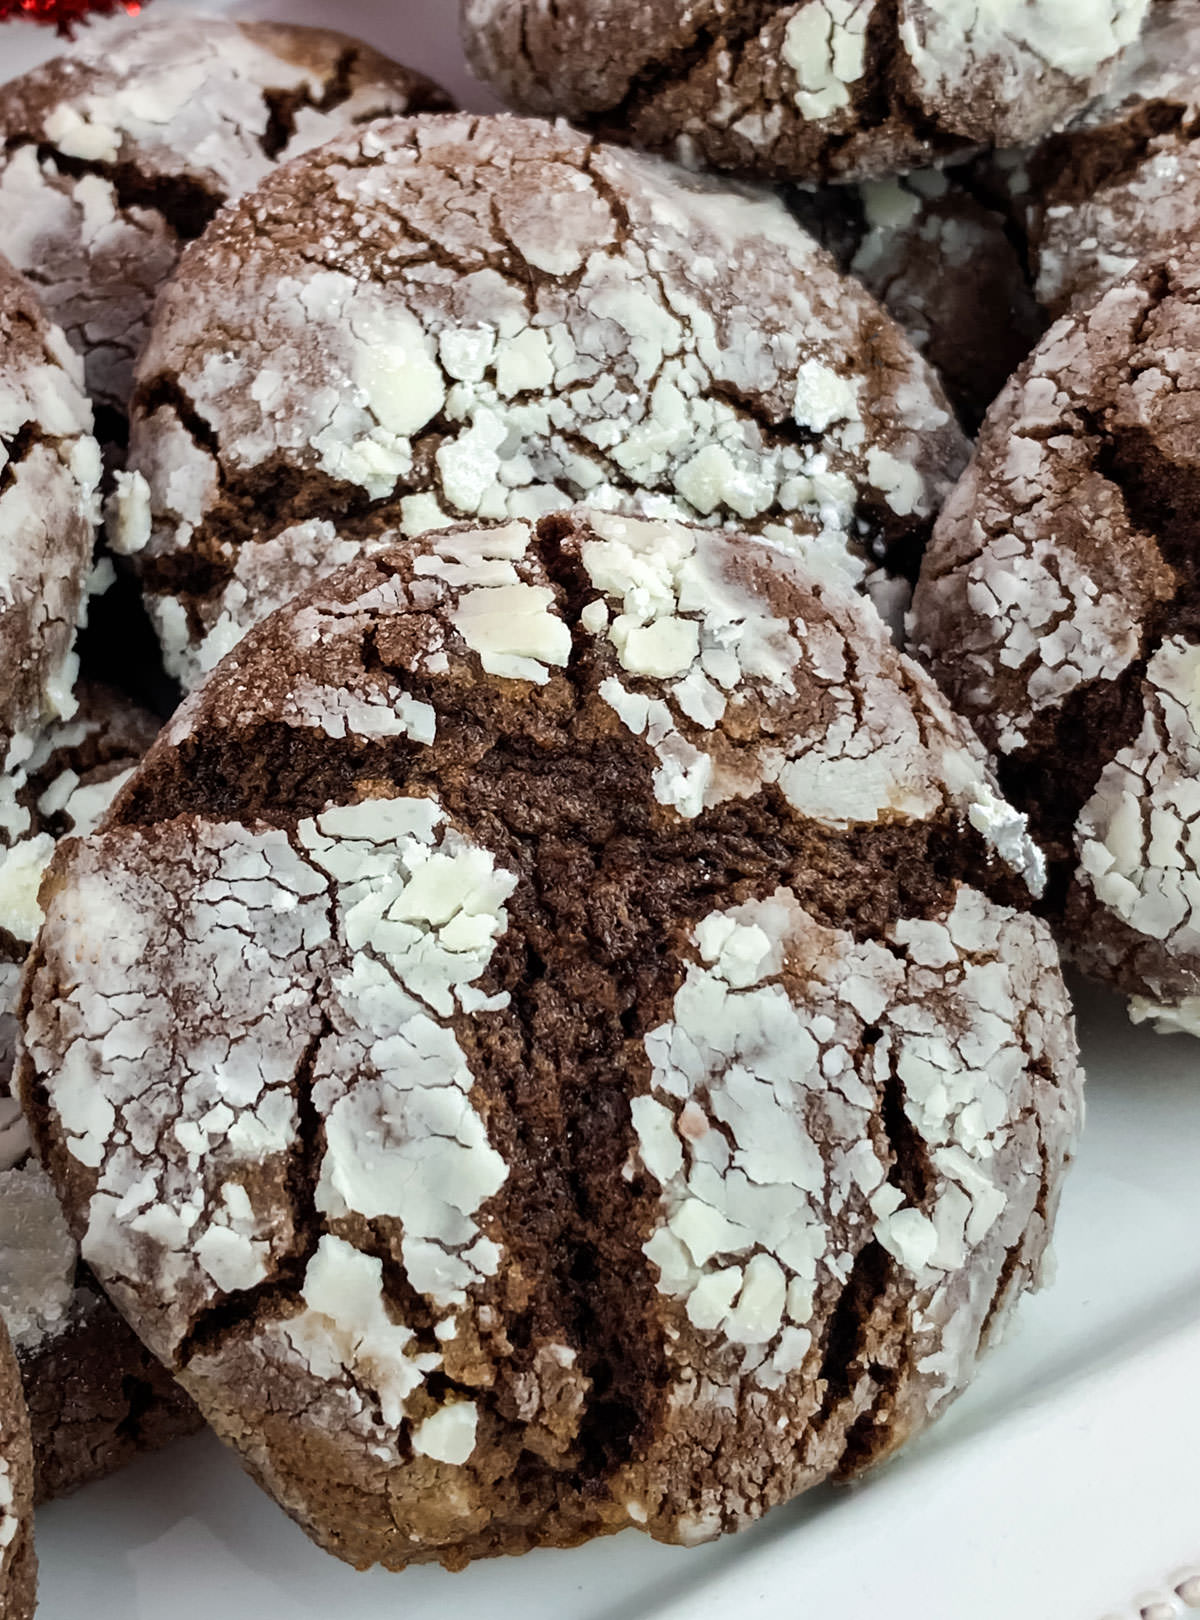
456,318
825,89
584,1061
18,1565
120,151
942,263
49,474
1059,607
95,1396
1121,183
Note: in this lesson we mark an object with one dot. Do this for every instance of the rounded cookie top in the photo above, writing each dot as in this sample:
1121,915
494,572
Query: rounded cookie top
941,262
123,149
1059,607
440,319
825,89
1121,183
49,475
18,1566
582,1058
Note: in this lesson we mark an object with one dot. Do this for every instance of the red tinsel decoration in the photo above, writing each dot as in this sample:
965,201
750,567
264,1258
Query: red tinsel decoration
65,14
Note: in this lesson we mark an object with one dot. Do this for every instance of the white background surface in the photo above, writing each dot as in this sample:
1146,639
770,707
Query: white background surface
1064,1486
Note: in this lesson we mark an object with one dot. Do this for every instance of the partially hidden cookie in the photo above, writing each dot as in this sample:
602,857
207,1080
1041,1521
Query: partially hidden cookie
942,263
49,477
1121,183
95,1396
454,318
121,150
825,89
1059,607
18,1565
583,1059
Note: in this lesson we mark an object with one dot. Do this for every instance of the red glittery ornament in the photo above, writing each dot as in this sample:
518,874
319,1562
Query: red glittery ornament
64,14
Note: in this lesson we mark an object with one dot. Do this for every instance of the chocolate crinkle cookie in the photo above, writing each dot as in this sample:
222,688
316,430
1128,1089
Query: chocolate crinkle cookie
583,1058
1060,609
18,1565
49,478
826,89
122,150
441,319
943,264
95,1396
1121,183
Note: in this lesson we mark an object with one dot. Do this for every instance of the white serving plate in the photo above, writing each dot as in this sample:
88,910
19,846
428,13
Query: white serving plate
1065,1485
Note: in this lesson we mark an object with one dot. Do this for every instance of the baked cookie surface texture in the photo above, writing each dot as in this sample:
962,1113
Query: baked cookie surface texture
49,476
1059,608
825,89
96,1397
121,150
455,318
1122,182
942,263
550,1040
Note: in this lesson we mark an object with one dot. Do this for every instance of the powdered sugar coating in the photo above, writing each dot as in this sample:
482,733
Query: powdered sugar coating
493,319
86,1378
1138,835
1058,609
765,1196
51,471
810,90
121,150
382,1147
941,262
1122,182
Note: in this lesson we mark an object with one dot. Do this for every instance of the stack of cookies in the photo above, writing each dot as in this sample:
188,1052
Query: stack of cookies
455,578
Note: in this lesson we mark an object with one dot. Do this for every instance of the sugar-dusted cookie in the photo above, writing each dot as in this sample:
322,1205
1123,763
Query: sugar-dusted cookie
1122,182
439,319
49,477
95,1396
583,1057
118,152
1059,607
816,90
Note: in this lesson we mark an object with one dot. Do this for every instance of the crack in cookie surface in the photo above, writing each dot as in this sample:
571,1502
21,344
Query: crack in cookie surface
496,318
548,958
